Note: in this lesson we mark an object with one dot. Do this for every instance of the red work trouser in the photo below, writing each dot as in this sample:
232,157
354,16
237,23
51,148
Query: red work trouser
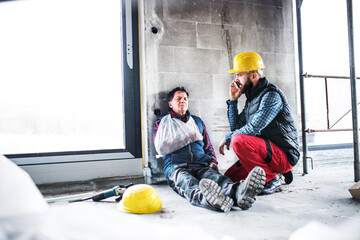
252,152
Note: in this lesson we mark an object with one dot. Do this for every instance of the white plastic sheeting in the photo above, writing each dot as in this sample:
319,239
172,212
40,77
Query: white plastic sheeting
19,194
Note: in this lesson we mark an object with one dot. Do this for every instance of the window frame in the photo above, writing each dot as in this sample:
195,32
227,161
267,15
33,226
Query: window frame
132,105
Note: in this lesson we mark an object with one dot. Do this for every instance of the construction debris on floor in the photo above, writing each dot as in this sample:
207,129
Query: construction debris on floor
314,206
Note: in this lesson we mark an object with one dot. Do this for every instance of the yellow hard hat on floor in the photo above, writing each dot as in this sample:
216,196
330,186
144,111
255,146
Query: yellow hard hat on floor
140,198
247,61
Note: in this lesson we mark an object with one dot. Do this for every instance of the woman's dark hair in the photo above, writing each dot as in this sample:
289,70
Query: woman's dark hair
172,92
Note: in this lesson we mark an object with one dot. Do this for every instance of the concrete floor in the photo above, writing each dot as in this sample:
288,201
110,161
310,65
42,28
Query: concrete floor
315,206
320,197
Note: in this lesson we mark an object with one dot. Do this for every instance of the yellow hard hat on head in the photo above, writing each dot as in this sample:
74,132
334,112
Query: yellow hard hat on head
247,61
140,198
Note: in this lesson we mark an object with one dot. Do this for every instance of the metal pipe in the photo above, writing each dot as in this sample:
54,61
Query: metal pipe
309,130
302,88
327,104
326,76
353,89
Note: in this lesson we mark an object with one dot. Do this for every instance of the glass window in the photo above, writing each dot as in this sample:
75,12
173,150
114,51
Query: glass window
61,73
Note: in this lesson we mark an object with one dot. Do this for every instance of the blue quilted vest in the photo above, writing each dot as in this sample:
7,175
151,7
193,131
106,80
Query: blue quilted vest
281,130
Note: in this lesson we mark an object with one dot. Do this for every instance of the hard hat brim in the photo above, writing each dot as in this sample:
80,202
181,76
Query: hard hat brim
236,71
232,71
120,206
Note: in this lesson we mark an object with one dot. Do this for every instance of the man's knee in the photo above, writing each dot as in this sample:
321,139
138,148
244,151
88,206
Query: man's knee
238,140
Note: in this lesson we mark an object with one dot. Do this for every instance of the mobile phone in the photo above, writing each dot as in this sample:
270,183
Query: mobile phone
237,85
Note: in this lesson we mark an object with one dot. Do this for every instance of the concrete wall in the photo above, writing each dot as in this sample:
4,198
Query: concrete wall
194,46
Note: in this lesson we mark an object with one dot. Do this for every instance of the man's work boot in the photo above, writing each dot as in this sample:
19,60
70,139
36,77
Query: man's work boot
272,186
288,177
250,187
213,195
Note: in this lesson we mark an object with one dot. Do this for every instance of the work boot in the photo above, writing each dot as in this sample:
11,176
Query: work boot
288,177
272,186
250,187
213,195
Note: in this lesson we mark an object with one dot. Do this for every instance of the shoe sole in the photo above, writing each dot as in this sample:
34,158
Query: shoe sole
213,195
252,186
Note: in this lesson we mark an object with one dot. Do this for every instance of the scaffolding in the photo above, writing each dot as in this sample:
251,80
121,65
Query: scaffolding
355,129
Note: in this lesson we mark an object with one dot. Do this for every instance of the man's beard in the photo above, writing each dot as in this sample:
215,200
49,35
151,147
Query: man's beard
247,86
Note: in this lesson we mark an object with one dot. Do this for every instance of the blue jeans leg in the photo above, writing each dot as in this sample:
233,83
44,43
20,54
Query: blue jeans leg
185,182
